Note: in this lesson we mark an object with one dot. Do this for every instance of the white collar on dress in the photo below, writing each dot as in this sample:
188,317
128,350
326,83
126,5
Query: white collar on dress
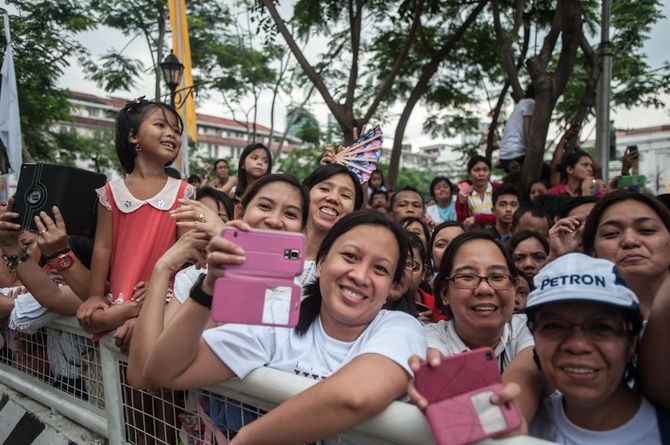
127,203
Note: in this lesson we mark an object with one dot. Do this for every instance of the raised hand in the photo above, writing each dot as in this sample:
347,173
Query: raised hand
53,235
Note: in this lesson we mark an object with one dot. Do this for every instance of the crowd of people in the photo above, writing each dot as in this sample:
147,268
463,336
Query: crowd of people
567,282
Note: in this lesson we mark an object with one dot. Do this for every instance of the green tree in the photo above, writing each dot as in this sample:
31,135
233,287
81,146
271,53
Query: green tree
44,38
96,151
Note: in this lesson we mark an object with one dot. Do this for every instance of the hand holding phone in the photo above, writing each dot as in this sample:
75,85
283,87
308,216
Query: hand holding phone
247,291
458,393
471,417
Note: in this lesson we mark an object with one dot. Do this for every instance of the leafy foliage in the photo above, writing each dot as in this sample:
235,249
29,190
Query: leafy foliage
44,37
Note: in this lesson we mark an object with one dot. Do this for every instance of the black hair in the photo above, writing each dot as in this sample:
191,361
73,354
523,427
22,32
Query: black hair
406,189
439,228
311,305
505,189
378,171
128,122
415,243
552,204
408,220
221,199
193,179
171,171
82,247
526,195
518,237
615,197
377,192
225,161
437,179
326,171
256,187
573,202
570,160
440,282
476,159
406,302
534,210
529,93
242,181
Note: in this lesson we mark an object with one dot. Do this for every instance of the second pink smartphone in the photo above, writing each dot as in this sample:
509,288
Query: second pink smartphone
471,417
247,291
457,374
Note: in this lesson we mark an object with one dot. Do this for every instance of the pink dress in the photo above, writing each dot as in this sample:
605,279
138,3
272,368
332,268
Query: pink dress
142,231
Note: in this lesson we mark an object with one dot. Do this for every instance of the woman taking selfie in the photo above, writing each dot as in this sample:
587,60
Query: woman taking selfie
342,334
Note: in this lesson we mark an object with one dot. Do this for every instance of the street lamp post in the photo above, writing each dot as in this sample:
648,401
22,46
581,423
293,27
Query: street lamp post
172,70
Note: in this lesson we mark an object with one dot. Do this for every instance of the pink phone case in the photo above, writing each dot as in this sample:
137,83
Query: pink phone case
458,374
272,259
471,417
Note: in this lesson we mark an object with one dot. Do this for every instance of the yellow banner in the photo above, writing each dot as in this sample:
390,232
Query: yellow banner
181,47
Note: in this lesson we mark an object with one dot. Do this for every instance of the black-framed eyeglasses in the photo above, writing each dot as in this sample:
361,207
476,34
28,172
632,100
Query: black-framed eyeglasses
497,281
597,329
412,265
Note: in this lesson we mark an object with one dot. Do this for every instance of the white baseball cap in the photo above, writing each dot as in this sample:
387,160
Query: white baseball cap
579,277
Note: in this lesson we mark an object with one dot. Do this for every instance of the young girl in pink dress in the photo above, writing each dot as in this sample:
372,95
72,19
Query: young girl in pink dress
134,225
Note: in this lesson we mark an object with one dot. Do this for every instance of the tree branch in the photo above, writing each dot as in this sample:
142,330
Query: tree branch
421,86
355,16
399,61
313,76
505,42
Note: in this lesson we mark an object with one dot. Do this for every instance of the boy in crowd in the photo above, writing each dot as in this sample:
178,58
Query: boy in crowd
505,203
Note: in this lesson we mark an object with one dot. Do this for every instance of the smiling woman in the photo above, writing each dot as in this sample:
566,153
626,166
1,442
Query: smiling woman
633,231
334,192
585,334
476,286
358,352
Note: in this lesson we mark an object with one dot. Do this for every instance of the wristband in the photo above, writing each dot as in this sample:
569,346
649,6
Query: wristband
11,261
198,295
55,254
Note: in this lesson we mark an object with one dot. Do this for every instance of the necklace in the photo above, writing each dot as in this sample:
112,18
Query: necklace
307,275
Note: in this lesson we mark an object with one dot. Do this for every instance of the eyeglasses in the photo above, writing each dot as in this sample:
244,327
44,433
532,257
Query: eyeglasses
598,329
412,265
497,281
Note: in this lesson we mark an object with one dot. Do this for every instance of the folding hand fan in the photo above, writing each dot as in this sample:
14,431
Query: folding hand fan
361,157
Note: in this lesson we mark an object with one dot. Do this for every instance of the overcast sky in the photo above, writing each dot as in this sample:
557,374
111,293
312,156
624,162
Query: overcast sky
99,41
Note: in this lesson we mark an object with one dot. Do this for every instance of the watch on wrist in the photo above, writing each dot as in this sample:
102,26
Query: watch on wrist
198,295
61,262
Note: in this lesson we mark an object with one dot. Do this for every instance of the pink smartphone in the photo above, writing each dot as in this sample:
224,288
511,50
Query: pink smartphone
246,293
471,417
463,185
457,374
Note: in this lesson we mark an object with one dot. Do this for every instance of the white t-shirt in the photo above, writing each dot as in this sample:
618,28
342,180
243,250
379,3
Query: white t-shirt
551,423
513,141
515,337
243,348
184,280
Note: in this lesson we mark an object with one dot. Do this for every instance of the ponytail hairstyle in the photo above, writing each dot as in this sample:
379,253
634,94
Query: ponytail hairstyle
311,305
128,122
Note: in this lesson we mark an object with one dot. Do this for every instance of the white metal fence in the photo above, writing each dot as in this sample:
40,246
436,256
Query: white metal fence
87,384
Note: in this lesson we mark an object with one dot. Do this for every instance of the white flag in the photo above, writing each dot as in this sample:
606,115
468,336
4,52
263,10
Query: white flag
10,119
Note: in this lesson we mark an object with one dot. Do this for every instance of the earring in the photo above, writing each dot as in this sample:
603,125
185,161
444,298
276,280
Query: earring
138,148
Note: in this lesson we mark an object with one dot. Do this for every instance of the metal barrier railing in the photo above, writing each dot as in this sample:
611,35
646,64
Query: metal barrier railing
99,399
87,384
